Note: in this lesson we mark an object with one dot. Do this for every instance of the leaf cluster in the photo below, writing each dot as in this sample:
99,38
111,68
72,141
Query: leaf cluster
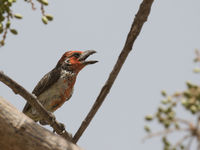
166,116
7,15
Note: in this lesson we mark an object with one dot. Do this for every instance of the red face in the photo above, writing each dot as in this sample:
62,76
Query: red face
76,59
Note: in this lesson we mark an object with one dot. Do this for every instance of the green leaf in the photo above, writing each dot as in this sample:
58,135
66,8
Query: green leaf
167,123
147,129
2,43
18,16
10,1
164,101
44,20
193,109
163,92
1,31
149,117
196,70
45,2
8,24
13,31
49,17
1,26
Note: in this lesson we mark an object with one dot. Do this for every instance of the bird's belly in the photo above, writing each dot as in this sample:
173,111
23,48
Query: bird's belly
56,95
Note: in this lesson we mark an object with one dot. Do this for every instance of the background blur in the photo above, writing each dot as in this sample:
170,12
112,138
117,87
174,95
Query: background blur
161,59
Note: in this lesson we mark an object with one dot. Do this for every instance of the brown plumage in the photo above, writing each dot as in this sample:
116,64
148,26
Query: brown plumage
56,87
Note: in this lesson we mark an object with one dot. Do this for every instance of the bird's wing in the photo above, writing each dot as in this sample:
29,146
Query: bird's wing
48,80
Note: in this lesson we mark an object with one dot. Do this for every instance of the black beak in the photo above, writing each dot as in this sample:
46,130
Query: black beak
85,55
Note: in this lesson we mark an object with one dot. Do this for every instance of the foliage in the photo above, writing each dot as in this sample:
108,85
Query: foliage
6,16
166,116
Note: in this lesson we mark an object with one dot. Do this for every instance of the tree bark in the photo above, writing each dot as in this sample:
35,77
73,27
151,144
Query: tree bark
18,132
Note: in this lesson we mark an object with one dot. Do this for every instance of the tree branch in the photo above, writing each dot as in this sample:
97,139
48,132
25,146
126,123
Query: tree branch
179,142
139,20
164,133
19,132
189,143
30,98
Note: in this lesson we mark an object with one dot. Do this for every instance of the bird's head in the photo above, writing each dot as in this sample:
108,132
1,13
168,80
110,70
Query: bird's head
75,60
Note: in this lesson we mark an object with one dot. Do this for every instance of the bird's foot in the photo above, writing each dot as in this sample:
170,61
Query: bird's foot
44,122
53,118
62,127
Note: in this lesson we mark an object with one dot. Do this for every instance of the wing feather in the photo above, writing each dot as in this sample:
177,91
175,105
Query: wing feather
46,82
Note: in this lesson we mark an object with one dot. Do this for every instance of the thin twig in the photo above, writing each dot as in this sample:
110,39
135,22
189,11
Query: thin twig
198,122
139,20
197,59
184,122
31,99
5,30
189,143
179,142
198,146
42,9
32,4
163,132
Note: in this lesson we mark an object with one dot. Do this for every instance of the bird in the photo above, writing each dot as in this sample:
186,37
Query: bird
56,87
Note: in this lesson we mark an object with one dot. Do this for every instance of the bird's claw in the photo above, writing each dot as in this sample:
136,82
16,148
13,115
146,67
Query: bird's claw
44,122
53,118
61,126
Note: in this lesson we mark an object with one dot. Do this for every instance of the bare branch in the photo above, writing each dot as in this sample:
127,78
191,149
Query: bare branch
42,10
139,20
186,122
163,132
198,122
179,142
198,146
189,143
197,59
47,116
32,4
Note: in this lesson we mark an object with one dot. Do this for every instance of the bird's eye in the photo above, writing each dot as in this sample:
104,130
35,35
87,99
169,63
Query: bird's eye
77,55
67,61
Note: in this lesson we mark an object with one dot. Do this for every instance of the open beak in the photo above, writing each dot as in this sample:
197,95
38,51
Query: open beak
85,55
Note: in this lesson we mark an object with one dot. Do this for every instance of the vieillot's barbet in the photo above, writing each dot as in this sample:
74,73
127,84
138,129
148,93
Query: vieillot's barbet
56,87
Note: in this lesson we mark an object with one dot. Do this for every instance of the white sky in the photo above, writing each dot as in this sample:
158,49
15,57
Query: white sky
161,59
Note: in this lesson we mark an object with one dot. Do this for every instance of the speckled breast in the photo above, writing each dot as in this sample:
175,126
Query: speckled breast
59,92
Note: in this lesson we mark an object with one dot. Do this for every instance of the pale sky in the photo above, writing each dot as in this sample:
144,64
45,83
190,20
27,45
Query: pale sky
161,59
